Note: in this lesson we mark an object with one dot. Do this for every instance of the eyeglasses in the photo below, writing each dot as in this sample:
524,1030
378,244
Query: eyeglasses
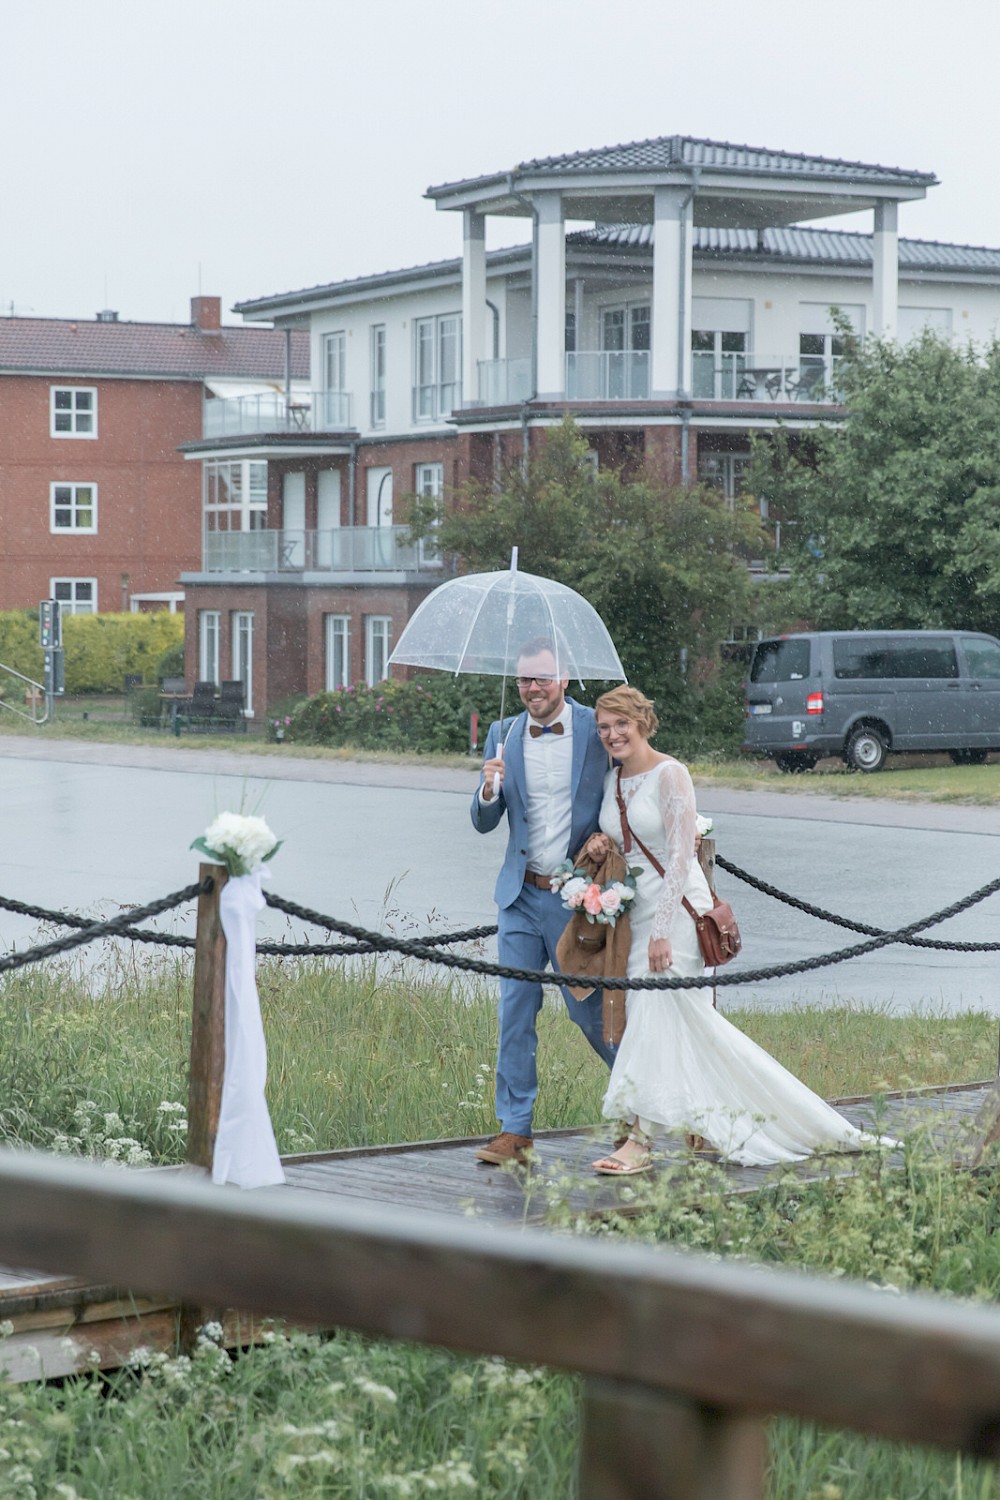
621,726
525,682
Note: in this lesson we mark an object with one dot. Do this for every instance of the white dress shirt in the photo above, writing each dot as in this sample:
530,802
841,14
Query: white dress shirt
548,778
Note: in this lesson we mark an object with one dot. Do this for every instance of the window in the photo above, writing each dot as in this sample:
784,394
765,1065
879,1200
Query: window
718,359
335,361
235,495
876,657
208,645
73,411
338,652
242,630
378,633
625,344
75,596
378,375
822,346
430,482
785,660
437,365
725,472
73,507
981,657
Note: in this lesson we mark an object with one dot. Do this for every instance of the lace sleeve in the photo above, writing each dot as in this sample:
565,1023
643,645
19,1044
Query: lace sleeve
677,809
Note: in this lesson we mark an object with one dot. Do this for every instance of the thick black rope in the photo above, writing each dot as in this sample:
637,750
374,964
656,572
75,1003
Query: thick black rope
115,927
73,919
828,916
381,942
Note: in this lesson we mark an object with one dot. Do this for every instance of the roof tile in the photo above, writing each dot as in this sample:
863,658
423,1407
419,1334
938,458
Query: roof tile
175,350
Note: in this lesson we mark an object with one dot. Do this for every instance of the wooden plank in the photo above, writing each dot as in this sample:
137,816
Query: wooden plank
638,1444
208,1021
744,1339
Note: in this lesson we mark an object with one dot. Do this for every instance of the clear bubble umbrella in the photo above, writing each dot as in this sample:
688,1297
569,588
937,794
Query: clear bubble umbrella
484,622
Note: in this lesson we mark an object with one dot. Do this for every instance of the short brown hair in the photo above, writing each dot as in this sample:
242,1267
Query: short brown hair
631,704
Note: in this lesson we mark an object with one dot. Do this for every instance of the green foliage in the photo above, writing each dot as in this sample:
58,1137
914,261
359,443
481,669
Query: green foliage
892,518
99,649
427,714
661,566
171,663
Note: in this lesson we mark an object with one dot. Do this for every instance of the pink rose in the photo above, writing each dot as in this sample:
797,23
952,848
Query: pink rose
592,900
610,902
575,899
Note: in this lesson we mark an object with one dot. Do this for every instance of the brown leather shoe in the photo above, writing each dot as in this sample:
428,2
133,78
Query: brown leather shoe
506,1148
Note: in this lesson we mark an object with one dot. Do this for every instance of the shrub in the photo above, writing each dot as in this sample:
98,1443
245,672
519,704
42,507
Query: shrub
427,714
100,649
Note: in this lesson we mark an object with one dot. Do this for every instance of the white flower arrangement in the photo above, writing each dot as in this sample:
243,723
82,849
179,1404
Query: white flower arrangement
599,903
705,826
240,842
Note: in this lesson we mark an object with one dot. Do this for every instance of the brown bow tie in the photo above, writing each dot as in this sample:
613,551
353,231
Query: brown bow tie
537,729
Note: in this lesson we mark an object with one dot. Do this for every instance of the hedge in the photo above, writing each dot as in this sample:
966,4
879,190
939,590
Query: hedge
428,713
99,649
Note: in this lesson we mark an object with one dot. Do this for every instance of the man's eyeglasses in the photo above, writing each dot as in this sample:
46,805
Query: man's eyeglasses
525,682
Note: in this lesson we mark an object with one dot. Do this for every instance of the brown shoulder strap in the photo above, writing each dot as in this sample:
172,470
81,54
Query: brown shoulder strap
629,833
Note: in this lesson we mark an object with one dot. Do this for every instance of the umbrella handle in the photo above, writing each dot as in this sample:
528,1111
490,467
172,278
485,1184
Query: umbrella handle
496,774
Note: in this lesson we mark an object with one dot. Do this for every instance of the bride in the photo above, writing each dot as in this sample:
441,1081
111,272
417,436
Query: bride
681,1065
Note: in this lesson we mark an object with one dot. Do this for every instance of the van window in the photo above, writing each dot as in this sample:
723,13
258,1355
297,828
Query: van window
983,658
873,657
781,661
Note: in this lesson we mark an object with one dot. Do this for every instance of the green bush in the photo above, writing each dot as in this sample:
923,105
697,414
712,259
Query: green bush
427,714
171,663
99,649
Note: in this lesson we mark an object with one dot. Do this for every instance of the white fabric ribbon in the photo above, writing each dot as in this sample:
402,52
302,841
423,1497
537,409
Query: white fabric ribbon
246,1152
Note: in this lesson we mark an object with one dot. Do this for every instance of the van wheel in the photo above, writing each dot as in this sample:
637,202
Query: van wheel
795,760
969,757
866,750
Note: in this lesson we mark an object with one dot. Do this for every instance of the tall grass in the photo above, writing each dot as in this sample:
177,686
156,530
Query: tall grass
371,1053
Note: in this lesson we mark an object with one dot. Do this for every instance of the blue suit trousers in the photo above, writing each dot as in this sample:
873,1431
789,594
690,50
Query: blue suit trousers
529,930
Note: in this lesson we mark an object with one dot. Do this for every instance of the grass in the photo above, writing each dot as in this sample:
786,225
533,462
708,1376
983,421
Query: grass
365,1055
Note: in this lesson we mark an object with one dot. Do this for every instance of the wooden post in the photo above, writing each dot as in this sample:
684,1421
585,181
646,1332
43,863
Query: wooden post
208,1023
639,1444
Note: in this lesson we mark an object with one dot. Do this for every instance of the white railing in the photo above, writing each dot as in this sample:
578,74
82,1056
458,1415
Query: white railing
312,411
607,375
504,382
751,376
341,549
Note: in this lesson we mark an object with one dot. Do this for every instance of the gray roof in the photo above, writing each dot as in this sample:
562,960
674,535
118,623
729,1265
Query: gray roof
671,151
797,243
66,346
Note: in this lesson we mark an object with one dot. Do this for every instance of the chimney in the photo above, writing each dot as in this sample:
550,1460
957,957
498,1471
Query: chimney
107,315
206,314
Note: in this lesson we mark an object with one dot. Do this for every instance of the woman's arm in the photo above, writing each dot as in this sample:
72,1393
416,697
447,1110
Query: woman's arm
677,809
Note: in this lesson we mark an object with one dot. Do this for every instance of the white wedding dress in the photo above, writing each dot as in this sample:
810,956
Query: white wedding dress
681,1063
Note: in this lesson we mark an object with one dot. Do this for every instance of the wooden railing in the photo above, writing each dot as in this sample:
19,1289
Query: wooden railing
683,1358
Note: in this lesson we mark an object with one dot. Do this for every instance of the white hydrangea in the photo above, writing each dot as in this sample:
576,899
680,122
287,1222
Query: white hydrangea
705,826
242,843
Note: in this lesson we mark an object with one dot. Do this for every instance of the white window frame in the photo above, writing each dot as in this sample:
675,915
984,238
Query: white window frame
75,412
725,472
335,361
437,352
74,505
378,644
241,654
209,631
66,591
234,490
429,482
378,371
338,652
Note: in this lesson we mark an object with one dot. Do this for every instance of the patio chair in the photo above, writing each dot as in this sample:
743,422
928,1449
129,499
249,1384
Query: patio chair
203,704
232,701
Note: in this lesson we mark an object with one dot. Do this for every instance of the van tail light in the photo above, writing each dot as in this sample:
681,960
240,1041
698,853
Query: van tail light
814,703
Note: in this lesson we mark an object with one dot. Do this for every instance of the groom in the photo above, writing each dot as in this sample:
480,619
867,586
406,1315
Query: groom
551,766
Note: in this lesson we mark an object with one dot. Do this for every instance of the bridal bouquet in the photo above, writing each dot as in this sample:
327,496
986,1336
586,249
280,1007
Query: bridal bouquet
239,842
598,903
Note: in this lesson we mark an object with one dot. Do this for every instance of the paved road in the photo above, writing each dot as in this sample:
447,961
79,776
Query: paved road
88,827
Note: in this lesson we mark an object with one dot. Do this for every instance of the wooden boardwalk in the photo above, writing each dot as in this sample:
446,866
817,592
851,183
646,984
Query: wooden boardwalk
61,1325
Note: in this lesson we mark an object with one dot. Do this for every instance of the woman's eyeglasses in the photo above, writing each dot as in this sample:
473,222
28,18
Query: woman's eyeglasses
619,727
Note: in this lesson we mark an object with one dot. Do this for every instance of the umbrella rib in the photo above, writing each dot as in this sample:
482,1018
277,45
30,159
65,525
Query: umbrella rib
477,611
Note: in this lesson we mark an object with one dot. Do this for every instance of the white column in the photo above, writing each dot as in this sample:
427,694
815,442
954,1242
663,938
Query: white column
473,303
671,322
885,270
550,297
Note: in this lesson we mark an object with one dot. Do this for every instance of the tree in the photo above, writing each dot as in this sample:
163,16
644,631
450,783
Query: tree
891,517
661,566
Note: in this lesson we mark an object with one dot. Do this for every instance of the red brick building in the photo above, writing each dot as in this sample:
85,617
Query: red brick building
97,506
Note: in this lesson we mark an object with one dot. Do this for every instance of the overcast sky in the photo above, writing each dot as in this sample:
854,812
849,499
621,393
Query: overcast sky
155,148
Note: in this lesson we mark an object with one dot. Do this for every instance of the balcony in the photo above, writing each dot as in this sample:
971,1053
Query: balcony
771,378
241,416
504,382
607,375
343,549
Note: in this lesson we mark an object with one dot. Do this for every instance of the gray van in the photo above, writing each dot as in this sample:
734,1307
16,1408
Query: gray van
860,694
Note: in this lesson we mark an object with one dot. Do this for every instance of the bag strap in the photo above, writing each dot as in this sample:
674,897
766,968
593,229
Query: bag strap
629,833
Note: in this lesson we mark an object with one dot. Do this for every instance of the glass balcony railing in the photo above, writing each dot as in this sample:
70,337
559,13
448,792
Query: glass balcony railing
607,375
312,411
342,549
749,376
504,382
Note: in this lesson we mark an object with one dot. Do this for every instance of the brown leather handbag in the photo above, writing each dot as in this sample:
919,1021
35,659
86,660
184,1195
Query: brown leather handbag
718,934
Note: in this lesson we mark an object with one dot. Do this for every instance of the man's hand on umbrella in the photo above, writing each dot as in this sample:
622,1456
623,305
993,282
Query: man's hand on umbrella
491,769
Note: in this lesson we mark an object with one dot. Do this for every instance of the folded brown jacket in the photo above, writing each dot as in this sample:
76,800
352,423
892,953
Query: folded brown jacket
597,948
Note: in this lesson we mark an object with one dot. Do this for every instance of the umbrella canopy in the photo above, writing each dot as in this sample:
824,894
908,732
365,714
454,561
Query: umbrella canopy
483,622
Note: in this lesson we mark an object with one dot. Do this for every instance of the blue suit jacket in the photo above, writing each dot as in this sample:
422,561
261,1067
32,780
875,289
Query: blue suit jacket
590,764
